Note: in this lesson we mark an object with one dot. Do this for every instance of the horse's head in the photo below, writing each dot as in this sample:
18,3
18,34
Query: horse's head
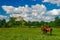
43,27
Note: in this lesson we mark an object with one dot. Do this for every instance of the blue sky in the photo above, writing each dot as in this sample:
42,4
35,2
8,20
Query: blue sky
50,7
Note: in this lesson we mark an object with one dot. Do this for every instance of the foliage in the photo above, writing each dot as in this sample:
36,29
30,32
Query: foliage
57,21
2,23
22,23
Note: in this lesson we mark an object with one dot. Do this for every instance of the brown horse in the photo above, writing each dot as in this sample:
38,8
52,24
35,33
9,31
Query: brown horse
46,29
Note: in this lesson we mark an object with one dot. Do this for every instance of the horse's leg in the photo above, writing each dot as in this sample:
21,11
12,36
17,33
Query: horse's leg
45,32
51,32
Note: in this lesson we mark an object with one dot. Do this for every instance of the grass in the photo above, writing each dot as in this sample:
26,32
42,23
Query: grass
27,34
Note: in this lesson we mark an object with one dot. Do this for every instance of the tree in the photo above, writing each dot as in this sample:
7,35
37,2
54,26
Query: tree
51,24
0,23
42,23
3,23
57,21
11,22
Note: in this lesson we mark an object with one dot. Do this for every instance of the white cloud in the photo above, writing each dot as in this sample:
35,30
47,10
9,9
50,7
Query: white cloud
38,9
34,13
47,18
53,12
3,17
8,9
53,1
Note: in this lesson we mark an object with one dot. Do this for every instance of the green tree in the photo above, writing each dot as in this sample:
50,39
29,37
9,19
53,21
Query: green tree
57,21
0,23
3,23
51,24
11,22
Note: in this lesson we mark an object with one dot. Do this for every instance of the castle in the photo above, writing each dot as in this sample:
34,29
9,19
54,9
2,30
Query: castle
18,18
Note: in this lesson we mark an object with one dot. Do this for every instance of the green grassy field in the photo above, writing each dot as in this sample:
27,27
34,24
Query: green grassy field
27,34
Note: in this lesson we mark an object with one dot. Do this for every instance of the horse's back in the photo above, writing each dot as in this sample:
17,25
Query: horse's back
49,29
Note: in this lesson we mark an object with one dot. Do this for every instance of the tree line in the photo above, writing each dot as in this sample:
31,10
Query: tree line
23,23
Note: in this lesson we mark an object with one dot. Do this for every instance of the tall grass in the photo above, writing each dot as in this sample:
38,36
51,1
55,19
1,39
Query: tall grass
27,34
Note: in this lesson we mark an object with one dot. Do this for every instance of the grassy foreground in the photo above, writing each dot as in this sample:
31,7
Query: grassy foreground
27,34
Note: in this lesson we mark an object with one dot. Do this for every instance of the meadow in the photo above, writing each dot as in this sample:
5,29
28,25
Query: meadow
28,34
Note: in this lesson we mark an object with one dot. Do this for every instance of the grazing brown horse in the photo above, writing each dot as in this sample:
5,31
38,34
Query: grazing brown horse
46,29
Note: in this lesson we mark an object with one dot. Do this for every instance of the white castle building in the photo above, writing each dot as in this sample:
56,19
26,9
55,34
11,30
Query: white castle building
19,18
